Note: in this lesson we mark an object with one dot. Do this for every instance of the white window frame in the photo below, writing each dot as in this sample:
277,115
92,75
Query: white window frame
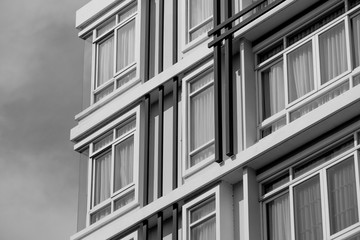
321,172
132,236
133,115
186,169
319,89
134,66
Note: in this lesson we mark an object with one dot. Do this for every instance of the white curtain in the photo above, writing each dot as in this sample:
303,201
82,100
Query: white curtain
333,60
105,61
100,214
356,38
125,45
278,218
205,230
308,222
202,211
342,196
273,90
200,10
102,178
300,71
124,163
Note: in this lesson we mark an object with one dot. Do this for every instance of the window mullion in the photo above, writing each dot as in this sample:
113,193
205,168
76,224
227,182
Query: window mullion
325,203
292,212
357,178
316,62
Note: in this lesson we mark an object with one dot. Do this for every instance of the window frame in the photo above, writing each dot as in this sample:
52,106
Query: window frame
132,115
117,75
186,168
322,172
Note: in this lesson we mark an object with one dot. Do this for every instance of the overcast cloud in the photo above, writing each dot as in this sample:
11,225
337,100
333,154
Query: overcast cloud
40,92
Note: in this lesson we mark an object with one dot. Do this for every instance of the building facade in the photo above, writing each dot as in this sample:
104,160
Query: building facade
219,120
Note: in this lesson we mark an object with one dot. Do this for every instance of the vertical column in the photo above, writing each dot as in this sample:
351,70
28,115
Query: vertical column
161,36
145,230
147,40
161,141
217,88
175,222
146,149
175,133
175,31
159,234
229,126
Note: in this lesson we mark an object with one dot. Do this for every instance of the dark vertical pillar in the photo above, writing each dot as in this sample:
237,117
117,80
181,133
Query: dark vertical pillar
229,127
145,230
161,141
147,40
217,88
175,31
175,222
146,149
159,235
161,36
175,133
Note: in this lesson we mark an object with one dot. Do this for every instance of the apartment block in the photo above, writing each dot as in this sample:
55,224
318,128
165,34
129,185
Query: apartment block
219,120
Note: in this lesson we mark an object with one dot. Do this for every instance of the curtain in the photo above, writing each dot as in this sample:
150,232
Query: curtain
342,195
205,230
308,222
105,61
100,214
200,10
102,178
273,90
125,45
300,71
356,39
278,218
124,163
202,211
333,60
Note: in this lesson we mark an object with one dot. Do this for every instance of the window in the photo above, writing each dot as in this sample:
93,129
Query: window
313,69
317,198
198,93
115,44
132,236
114,169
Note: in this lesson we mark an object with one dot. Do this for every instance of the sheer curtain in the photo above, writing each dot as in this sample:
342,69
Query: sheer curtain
105,61
356,38
207,229
125,45
278,218
273,90
199,11
300,71
333,54
102,178
124,163
342,195
308,222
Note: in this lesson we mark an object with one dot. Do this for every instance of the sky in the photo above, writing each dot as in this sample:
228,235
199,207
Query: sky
40,92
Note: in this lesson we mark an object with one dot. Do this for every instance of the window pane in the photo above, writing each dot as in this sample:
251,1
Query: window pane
105,61
300,71
127,13
200,31
104,92
202,211
130,125
356,237
123,201
100,214
356,39
125,45
201,118
333,59
103,141
199,83
200,10
106,27
277,182
124,158
126,78
102,177
307,208
278,218
342,195
204,231
273,127
202,155
273,98
356,80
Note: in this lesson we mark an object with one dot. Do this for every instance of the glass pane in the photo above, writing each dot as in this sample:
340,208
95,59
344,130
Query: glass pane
123,201
200,31
273,127
300,71
106,27
200,10
275,183
103,141
307,208
356,237
330,154
356,80
201,118
126,78
102,177
125,45
127,13
202,211
278,218
202,155
87,72
333,55
124,163
100,214
105,61
126,128
104,92
355,24
202,81
342,195
204,231
273,94
319,101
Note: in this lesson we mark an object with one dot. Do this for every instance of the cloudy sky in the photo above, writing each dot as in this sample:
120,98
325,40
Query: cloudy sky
40,92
